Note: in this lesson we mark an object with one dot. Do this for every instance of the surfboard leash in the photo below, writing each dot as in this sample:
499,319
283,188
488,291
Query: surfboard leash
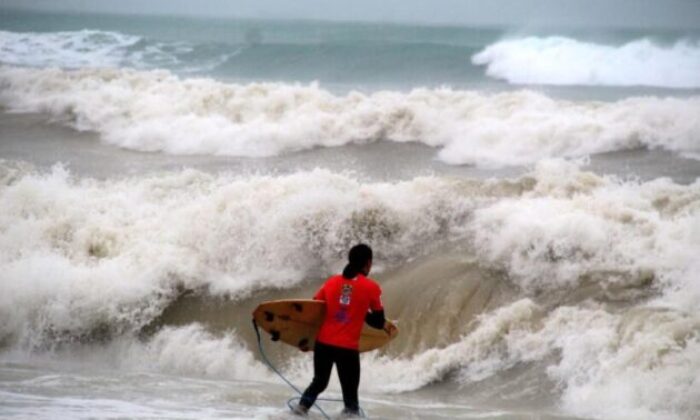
274,369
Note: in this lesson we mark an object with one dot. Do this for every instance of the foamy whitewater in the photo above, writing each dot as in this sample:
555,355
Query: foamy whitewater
564,61
539,248
156,111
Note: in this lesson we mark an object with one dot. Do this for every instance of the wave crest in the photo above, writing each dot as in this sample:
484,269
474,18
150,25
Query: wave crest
565,61
157,111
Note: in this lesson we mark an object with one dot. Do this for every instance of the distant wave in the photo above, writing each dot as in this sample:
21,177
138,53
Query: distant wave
94,49
157,111
565,61
243,55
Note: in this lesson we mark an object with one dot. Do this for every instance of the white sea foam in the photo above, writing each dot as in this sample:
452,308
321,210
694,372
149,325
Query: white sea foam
565,61
206,355
69,239
574,230
157,111
483,351
639,365
178,373
79,254
86,48
575,224
99,49
190,350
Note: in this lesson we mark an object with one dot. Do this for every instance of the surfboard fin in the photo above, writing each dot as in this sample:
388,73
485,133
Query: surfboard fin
303,344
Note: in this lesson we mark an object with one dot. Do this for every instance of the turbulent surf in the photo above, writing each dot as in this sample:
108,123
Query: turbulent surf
537,246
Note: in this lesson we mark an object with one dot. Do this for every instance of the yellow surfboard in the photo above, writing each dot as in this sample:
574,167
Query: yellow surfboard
296,322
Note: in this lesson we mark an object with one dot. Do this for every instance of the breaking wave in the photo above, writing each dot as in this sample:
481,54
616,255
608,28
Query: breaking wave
565,61
158,111
589,282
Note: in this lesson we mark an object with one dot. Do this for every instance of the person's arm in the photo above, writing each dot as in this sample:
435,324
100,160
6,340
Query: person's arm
375,318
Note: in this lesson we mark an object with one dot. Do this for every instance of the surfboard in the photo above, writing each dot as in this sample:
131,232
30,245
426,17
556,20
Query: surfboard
297,321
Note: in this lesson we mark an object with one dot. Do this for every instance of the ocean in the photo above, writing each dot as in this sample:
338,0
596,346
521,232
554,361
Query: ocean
531,195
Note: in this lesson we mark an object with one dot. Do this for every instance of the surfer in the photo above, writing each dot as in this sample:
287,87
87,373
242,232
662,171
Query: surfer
351,299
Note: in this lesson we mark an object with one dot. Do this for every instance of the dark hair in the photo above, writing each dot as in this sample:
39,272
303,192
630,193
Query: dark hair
358,257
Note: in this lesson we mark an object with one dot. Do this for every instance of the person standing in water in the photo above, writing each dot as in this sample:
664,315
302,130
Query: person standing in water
351,299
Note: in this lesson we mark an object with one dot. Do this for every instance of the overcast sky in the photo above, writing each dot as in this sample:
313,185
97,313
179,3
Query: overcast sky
626,13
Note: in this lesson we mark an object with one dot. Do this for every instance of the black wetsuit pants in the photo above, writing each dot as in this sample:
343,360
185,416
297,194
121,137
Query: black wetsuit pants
348,364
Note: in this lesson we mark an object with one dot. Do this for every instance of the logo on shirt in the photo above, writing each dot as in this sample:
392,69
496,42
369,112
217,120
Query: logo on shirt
346,294
341,316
